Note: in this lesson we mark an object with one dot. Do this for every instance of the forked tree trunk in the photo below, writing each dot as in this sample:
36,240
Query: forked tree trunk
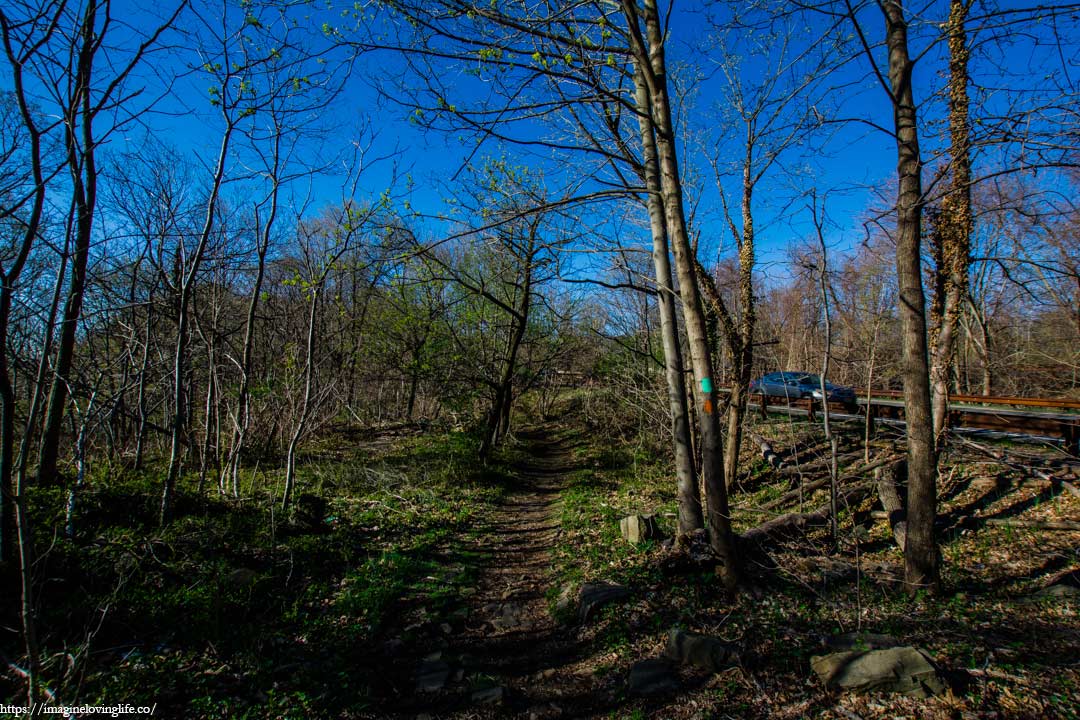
305,406
499,417
690,516
920,552
741,341
81,163
649,55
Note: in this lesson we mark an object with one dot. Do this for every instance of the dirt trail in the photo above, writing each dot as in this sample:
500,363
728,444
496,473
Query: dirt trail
511,658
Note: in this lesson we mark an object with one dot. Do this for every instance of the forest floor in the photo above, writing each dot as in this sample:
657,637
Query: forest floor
1007,647
414,582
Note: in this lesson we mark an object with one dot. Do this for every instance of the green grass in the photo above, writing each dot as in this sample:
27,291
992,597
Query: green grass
233,610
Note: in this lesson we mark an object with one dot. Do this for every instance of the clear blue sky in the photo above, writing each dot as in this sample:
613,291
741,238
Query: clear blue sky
854,166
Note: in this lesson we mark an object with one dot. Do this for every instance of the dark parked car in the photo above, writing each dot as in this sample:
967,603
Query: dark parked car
796,385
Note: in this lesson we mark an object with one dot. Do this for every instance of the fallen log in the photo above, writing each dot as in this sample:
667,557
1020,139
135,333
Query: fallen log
1004,459
890,500
819,463
810,487
767,452
1035,524
792,523
1066,525
988,483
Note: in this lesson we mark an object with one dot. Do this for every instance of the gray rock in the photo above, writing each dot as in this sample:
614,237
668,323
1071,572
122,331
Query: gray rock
593,596
701,651
587,600
639,528
861,641
1057,591
652,677
241,579
432,676
490,696
903,670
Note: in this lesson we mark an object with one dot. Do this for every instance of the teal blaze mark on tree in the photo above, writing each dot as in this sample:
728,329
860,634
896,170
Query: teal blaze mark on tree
706,385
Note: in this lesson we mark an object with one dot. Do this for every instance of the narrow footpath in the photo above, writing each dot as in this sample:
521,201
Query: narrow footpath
512,658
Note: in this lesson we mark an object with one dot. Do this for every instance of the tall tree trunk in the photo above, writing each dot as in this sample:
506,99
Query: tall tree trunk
11,529
690,516
952,231
305,406
81,162
649,54
823,287
210,431
243,400
144,366
920,553
741,341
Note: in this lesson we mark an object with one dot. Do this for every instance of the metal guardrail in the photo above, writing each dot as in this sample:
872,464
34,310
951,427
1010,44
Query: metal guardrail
1063,426
1054,403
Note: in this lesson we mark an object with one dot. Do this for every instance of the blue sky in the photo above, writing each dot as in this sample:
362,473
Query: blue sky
853,169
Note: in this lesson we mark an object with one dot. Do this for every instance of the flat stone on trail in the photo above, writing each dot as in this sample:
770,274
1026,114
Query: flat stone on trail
507,617
490,696
903,670
707,653
652,677
589,599
639,528
432,676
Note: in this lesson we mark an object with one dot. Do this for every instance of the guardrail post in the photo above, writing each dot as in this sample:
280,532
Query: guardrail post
810,409
764,402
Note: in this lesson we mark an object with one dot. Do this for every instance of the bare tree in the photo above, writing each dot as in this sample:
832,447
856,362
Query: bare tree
322,244
920,552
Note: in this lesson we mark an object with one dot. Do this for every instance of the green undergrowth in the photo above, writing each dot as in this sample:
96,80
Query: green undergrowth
609,484
236,610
